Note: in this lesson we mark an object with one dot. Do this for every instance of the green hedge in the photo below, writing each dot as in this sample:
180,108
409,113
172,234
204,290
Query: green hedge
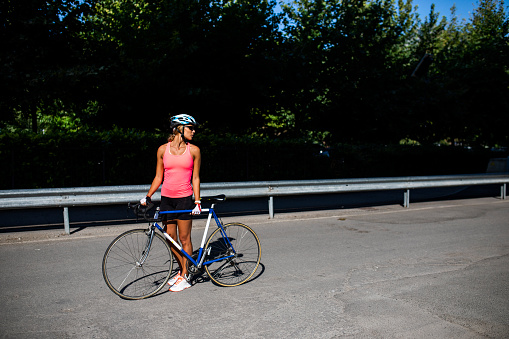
77,159
122,157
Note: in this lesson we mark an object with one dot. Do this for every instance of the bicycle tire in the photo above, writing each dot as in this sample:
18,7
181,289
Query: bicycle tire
121,269
244,263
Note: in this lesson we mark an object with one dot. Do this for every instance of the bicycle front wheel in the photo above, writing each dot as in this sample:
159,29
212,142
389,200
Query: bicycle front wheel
131,272
241,250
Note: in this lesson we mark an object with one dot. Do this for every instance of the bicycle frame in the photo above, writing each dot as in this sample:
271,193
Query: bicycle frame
201,252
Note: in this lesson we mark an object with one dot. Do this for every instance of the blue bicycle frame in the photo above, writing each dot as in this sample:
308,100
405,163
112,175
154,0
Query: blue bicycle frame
201,257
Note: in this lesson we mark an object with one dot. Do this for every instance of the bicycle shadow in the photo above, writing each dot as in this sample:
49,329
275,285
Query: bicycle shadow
202,277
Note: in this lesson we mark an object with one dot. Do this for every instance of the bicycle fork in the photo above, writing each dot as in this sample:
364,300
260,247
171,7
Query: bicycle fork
146,250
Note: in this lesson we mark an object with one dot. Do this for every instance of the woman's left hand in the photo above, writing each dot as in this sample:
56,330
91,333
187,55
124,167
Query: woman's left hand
196,210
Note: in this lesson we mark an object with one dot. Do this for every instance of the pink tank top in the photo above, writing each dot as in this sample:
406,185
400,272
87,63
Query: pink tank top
178,170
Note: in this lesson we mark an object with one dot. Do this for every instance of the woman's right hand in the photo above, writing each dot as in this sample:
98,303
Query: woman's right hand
145,200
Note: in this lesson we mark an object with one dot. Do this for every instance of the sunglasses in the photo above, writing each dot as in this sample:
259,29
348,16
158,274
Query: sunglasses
191,128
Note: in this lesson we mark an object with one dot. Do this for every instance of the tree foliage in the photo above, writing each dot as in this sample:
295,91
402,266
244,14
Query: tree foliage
333,71
206,58
41,60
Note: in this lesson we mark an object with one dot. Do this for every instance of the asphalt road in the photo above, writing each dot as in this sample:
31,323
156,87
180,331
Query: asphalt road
439,269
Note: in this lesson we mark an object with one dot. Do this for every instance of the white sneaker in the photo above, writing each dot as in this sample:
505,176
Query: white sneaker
180,285
173,280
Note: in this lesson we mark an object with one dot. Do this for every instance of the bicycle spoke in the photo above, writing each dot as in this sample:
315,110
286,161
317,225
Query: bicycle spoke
127,276
124,272
242,241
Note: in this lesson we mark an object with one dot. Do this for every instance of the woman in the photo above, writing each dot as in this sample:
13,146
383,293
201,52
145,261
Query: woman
178,163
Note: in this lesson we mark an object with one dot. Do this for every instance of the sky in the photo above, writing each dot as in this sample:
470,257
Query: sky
464,8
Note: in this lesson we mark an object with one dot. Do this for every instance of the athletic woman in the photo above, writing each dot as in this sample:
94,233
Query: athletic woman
178,169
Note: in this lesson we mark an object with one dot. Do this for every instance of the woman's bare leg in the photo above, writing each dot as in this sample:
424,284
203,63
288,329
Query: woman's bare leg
184,233
184,236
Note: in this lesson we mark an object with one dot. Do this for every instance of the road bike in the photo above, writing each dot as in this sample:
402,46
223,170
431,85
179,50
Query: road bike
138,263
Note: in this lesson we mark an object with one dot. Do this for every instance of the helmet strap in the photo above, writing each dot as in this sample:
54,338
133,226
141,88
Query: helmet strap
182,133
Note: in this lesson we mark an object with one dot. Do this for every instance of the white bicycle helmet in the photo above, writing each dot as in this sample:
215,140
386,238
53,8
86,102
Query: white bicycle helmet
182,119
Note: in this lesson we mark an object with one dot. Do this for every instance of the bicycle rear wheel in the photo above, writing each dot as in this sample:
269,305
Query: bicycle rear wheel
126,275
245,252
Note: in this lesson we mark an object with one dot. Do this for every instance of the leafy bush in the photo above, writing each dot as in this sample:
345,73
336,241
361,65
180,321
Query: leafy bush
128,157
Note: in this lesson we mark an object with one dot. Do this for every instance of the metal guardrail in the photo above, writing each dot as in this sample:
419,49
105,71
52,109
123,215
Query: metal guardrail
104,195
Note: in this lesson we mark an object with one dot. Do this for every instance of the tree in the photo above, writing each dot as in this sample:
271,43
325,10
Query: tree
487,74
211,59
338,70
350,55
39,57
465,95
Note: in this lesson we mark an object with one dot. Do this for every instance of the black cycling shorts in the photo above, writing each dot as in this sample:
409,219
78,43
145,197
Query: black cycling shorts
176,204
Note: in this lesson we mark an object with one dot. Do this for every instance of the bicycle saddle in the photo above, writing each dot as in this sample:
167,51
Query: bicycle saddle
215,198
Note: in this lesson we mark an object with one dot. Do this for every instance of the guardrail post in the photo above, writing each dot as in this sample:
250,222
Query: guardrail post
66,220
271,207
406,198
